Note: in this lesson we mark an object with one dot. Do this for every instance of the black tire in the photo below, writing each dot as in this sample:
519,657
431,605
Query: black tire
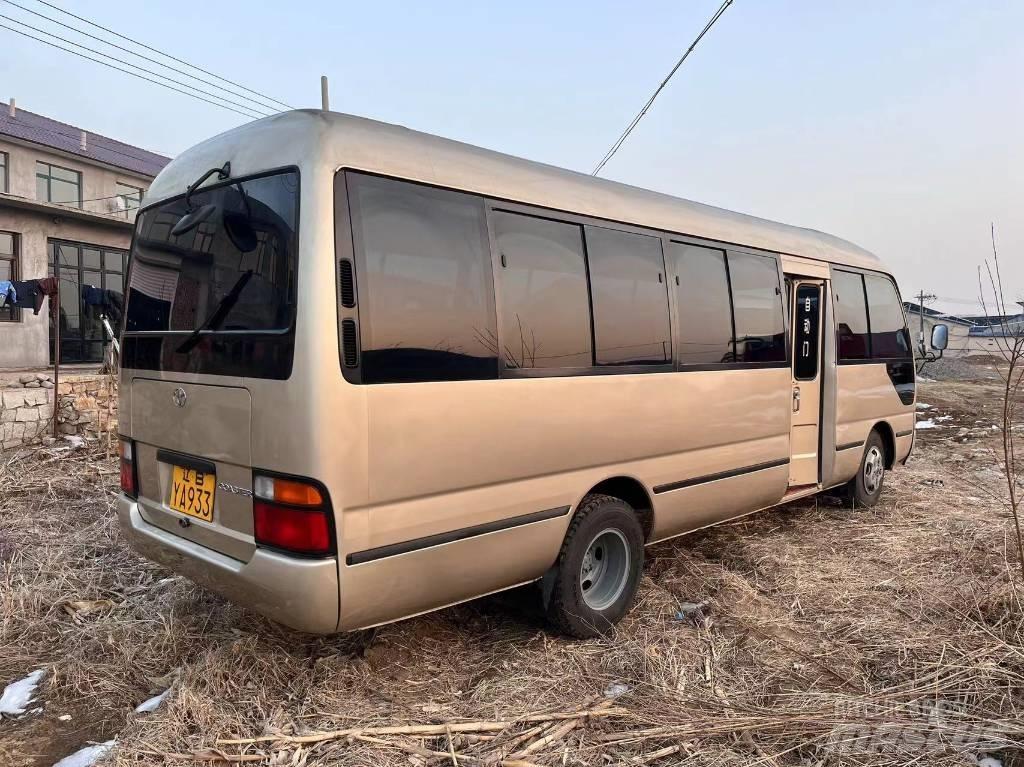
864,490
609,524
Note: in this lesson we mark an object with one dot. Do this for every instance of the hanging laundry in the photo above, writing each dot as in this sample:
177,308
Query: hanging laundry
49,288
8,295
29,295
92,296
32,293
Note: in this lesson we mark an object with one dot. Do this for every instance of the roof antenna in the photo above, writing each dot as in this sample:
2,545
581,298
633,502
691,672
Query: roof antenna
323,94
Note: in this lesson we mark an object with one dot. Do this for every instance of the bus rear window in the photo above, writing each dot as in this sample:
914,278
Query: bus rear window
232,271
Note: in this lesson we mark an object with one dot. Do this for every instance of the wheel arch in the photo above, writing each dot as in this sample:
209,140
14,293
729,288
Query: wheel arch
888,441
630,490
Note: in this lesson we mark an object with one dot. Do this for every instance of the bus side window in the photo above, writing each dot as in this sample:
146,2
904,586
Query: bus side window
851,315
630,298
422,258
542,284
757,305
890,338
705,316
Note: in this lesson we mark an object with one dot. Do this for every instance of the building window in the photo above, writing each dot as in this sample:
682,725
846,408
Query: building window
9,271
542,281
91,281
4,164
58,185
128,197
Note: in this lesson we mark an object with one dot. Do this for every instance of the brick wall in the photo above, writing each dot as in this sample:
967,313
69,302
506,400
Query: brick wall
88,407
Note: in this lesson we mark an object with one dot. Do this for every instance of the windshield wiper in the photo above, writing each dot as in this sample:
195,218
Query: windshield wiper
220,313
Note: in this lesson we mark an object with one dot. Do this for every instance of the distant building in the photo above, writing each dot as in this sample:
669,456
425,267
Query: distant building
959,328
997,333
67,207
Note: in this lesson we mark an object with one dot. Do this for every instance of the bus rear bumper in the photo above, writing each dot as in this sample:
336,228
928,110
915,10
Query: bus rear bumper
300,593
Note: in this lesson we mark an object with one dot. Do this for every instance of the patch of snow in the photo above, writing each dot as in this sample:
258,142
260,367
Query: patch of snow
152,704
988,761
615,689
943,418
927,423
64,718
76,441
923,406
17,695
88,756
922,379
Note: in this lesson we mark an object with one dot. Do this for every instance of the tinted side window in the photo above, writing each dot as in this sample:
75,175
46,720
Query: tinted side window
757,305
705,315
421,263
542,281
851,316
889,335
627,277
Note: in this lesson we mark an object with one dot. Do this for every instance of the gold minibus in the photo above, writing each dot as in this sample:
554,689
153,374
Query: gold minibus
369,372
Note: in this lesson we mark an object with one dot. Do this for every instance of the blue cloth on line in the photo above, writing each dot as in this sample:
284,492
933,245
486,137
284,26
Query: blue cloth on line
8,295
92,296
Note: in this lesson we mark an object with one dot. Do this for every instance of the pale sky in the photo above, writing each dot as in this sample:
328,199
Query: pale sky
896,124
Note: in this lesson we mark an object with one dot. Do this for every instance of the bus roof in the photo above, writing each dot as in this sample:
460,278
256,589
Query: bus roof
345,141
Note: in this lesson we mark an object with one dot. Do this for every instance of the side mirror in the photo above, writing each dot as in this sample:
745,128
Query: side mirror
940,337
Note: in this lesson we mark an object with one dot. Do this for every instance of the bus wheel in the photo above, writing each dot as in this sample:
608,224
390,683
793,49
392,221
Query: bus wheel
598,570
865,489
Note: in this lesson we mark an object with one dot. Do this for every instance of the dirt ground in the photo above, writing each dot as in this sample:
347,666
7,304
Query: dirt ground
808,634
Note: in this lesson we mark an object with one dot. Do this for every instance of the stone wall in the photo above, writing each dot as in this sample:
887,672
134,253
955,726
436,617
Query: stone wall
88,407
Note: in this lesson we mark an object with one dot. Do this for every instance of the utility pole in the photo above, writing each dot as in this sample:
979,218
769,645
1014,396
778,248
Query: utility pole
921,298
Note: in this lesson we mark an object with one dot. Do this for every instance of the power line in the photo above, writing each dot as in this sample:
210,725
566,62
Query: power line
136,66
128,72
640,115
136,53
74,203
166,55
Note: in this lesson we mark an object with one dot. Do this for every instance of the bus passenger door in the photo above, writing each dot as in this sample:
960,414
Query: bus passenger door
805,426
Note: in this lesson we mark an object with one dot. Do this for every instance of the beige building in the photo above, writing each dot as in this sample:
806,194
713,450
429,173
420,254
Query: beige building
67,207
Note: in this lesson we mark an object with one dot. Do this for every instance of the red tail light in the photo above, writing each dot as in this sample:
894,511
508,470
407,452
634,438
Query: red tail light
128,485
292,515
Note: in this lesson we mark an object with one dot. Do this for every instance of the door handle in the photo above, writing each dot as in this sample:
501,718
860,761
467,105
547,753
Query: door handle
796,399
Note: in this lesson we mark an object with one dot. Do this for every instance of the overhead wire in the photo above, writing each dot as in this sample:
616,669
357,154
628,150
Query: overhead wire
128,72
140,55
162,53
255,112
640,115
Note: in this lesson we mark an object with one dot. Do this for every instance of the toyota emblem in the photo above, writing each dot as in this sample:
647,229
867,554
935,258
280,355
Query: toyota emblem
179,397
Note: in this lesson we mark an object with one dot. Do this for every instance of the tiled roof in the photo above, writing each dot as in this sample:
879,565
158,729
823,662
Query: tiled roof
29,126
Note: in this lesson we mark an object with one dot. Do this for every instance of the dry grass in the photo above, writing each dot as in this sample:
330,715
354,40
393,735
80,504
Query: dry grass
828,637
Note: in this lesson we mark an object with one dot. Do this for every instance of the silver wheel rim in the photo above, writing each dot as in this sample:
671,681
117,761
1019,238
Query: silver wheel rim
874,469
605,569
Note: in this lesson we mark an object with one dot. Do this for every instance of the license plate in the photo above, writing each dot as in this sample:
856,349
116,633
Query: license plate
192,492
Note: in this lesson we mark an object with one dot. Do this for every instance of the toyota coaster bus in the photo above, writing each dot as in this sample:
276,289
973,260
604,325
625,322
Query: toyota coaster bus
369,372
